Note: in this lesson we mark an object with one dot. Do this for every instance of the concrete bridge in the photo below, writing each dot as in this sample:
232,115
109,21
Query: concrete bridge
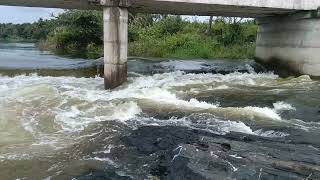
288,34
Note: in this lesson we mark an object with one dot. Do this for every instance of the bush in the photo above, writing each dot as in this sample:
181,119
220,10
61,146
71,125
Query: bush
164,37
232,41
77,34
170,25
94,51
80,34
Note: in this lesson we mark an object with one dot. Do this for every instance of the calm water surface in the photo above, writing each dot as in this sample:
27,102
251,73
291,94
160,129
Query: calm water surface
172,120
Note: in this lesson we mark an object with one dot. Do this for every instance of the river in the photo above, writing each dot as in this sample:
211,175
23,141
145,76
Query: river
172,120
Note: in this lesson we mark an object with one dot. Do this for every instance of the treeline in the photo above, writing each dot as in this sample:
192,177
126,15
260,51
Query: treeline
27,31
80,34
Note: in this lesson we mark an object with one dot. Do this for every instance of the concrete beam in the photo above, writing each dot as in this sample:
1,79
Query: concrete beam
290,17
272,4
115,46
63,4
243,8
208,9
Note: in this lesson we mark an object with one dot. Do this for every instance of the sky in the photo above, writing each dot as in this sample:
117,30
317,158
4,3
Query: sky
18,15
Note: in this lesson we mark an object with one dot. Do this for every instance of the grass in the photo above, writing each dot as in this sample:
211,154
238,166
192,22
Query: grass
190,46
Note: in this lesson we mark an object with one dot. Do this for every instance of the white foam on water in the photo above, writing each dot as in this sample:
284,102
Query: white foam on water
270,133
175,79
106,151
10,156
158,88
250,69
126,111
267,112
222,87
232,126
69,120
214,125
272,113
73,104
184,65
306,126
236,156
75,120
104,159
282,106
165,96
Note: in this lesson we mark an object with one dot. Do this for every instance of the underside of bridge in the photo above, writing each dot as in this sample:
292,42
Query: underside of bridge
289,30
241,8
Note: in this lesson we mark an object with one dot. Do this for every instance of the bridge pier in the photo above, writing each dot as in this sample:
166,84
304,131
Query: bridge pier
290,44
115,46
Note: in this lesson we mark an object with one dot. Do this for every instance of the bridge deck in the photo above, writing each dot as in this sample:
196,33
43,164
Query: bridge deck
244,8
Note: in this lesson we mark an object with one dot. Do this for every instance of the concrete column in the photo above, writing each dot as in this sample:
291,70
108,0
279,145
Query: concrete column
290,45
115,46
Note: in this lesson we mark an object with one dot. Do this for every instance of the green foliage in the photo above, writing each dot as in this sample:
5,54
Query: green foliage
137,23
27,31
188,39
80,34
77,32
94,51
169,25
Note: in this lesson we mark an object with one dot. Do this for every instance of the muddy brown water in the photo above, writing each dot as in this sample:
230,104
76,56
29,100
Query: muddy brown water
173,119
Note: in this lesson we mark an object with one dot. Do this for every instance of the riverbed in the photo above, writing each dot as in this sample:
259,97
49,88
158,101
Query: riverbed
173,119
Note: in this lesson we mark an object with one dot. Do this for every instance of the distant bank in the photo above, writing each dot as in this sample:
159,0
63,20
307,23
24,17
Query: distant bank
79,34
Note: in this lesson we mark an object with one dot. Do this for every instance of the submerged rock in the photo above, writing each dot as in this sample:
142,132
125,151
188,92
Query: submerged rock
170,152
148,67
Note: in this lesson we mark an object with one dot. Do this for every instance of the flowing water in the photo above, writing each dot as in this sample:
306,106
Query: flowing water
172,120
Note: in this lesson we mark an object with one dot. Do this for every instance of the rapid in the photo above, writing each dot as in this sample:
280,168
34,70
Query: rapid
174,119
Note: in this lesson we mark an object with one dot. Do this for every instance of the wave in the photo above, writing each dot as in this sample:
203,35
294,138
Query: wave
69,104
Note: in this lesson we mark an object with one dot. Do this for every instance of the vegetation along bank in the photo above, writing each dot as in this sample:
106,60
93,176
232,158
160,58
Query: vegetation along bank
80,34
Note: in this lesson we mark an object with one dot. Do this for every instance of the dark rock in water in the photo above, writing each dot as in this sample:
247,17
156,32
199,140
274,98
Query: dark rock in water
164,168
147,142
298,167
102,175
149,67
218,166
247,139
91,68
169,163
178,153
226,146
282,68
202,146
183,153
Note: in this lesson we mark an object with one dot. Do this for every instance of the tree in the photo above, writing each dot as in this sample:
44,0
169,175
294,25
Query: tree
208,31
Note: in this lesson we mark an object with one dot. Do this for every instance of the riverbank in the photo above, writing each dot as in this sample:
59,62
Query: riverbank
160,48
26,59
190,46
18,40
79,34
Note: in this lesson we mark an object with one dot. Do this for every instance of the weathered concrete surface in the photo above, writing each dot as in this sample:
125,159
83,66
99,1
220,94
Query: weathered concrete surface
244,8
64,4
291,42
115,46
